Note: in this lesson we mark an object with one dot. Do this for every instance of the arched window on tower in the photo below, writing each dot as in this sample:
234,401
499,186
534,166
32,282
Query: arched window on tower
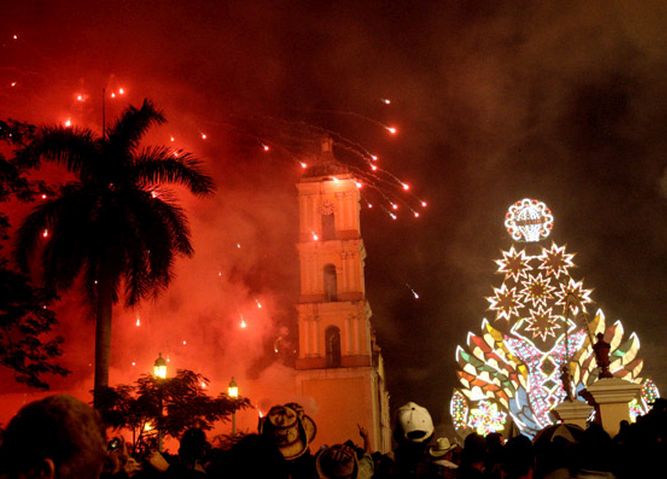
330,280
328,226
332,341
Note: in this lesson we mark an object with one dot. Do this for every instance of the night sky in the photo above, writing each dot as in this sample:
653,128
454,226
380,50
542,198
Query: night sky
494,101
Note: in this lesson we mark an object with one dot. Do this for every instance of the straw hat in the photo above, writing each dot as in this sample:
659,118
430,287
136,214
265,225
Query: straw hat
337,462
290,428
442,446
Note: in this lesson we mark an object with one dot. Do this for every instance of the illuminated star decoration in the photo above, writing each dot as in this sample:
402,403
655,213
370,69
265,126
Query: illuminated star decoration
575,291
515,366
505,302
537,290
542,323
514,264
555,261
486,418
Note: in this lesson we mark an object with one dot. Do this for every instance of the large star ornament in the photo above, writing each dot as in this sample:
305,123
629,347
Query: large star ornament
555,261
514,264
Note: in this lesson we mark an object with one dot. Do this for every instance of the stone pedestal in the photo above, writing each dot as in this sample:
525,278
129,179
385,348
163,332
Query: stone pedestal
573,412
613,395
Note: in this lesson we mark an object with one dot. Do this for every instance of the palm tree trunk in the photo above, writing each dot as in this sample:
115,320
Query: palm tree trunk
102,337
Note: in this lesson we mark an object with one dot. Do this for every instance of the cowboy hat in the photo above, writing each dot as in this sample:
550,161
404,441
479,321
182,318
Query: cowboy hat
442,446
337,462
290,428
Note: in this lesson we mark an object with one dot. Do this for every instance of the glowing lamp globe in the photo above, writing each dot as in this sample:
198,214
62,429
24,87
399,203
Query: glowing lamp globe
233,389
160,368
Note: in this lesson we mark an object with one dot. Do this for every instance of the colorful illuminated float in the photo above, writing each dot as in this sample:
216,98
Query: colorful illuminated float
541,328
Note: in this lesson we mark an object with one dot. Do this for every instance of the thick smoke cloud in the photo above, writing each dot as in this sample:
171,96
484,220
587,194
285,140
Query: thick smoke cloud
495,102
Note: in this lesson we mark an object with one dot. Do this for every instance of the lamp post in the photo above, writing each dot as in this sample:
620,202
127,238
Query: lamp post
160,368
160,373
233,392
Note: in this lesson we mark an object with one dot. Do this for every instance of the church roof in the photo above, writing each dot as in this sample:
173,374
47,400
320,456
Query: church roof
326,163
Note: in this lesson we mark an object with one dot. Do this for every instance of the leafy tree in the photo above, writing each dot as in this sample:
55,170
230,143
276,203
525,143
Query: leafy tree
114,226
25,321
169,405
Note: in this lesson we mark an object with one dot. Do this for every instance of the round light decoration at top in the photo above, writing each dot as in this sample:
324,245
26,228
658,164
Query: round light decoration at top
529,220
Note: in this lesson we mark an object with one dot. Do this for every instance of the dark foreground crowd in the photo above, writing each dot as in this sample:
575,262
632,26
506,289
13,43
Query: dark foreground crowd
61,437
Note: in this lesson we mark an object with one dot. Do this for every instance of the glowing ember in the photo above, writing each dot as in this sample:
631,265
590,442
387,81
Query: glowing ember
243,324
185,343
12,84
259,305
414,293
137,323
303,165
15,37
416,214
405,186
265,147
121,91
358,184
68,123
172,139
314,235
80,97
386,101
392,130
374,157
203,136
238,245
45,233
393,216
423,203
43,197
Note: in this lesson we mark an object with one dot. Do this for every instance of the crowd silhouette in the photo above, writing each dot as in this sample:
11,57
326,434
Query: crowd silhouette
62,437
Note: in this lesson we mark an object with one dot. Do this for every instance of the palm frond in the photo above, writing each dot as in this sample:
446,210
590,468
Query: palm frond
69,241
177,220
148,253
157,165
74,148
40,219
132,126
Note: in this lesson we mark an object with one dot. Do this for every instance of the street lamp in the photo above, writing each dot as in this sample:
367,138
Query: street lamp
233,392
160,368
160,372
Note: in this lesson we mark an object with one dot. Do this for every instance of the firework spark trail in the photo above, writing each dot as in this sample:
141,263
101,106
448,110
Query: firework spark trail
299,139
354,114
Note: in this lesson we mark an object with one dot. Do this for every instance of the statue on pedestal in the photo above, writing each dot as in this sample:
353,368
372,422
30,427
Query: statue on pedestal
601,349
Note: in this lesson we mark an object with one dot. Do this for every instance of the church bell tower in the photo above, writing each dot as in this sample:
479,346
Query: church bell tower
339,366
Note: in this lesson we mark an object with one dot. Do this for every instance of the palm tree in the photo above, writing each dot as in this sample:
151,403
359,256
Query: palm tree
110,227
